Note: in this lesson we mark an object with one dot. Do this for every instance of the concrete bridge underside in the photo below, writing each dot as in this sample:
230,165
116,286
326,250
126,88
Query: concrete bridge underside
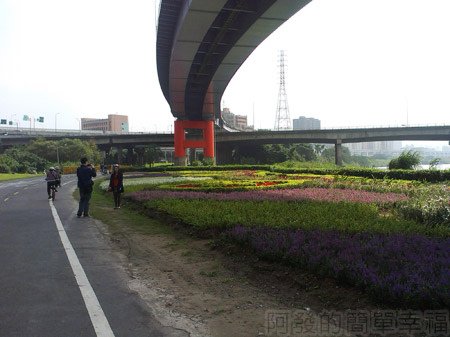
200,46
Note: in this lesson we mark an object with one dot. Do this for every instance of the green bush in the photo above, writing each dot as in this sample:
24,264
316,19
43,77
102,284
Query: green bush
408,160
8,164
428,205
27,161
208,161
419,175
4,168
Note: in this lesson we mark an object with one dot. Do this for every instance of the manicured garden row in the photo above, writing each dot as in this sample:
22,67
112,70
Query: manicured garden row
139,183
240,180
317,194
206,214
426,203
342,229
420,175
409,269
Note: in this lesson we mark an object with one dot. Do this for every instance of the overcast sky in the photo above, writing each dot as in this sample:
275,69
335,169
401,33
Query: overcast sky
349,63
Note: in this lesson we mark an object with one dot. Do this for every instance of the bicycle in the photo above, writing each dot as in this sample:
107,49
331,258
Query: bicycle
53,192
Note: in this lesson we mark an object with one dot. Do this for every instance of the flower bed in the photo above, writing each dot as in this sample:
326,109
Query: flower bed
317,194
142,183
394,245
413,269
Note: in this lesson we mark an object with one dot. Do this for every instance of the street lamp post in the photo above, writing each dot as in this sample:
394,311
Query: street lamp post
79,123
15,120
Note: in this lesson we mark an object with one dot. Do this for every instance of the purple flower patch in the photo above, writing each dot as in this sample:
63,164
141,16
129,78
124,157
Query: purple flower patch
403,269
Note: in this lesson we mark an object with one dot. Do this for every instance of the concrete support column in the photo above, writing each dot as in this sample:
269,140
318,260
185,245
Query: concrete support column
119,154
129,157
180,150
338,152
224,154
208,139
140,155
181,143
191,155
105,152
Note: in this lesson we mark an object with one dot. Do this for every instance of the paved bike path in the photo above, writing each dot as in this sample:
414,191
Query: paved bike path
39,292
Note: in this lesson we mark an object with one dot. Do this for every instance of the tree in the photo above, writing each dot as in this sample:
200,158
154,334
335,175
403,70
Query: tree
249,154
152,154
408,160
8,164
27,161
66,150
306,152
434,163
71,150
318,149
43,148
275,153
328,155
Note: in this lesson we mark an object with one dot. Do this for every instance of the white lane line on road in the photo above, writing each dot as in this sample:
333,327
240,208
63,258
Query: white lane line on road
6,199
15,193
98,318
68,182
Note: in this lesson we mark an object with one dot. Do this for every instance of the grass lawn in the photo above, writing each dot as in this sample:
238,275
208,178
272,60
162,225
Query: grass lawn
124,219
12,176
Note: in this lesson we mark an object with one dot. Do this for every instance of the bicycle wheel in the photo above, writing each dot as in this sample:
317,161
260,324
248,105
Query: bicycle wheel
53,194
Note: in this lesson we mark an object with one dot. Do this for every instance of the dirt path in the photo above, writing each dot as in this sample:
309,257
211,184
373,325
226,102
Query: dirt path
218,291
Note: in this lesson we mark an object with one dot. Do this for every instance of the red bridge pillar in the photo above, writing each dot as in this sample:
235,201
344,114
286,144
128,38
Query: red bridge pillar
206,142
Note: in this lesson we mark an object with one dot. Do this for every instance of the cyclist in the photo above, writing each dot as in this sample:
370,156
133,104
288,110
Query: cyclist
52,180
58,173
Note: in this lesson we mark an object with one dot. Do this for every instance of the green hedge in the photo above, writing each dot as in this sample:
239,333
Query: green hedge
420,175
198,168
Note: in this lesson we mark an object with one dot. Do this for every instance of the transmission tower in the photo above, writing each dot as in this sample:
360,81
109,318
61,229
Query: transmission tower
283,119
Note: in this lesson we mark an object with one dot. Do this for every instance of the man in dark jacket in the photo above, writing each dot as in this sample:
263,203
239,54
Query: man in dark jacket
85,173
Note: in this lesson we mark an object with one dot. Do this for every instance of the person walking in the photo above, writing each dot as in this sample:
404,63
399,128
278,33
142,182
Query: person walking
116,185
85,173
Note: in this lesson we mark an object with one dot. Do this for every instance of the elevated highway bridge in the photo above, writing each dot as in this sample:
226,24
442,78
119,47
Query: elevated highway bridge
200,46
226,141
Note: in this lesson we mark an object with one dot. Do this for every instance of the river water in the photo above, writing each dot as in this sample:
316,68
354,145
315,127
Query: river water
425,167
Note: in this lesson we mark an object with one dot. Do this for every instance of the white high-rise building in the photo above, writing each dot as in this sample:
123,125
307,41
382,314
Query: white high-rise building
305,123
372,148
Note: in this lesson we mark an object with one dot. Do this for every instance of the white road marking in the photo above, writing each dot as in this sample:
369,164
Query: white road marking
15,193
98,318
6,199
68,182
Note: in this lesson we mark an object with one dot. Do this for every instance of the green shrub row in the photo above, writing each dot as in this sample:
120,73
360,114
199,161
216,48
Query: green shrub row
420,175
198,168
307,215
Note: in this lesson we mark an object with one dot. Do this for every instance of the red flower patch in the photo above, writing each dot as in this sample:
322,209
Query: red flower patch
267,183
187,185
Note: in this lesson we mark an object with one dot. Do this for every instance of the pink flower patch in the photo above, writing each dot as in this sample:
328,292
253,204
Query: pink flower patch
316,194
